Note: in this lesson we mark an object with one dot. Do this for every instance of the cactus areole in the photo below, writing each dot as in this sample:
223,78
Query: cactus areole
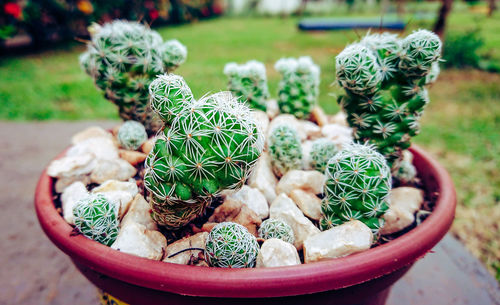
205,146
123,58
385,80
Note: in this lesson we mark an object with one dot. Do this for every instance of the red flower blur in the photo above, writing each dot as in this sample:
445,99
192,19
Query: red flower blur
13,9
153,14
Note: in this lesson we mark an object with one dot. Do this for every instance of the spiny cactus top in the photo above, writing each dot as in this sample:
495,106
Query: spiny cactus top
207,146
384,79
131,135
249,81
299,86
276,228
357,187
285,150
230,245
321,152
96,218
122,58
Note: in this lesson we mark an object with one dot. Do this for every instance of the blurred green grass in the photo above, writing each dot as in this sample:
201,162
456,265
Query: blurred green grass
461,126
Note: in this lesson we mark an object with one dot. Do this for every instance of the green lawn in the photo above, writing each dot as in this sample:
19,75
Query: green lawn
461,125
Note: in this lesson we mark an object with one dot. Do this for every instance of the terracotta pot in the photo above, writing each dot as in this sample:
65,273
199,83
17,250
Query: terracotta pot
362,278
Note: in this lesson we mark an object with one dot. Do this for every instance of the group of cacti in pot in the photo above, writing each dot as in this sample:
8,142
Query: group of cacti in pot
206,148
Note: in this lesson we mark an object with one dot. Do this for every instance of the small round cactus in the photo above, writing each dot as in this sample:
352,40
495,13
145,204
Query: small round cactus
405,173
276,228
249,81
123,57
285,150
299,86
321,152
384,78
96,218
230,245
206,146
131,135
357,187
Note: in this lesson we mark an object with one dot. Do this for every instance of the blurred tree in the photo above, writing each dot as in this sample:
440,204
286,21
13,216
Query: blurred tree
440,25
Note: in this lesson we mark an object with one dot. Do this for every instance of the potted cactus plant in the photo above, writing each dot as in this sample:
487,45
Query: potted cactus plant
184,226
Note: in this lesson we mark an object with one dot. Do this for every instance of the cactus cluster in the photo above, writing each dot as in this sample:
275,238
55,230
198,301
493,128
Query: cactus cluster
97,218
206,146
285,150
299,86
276,228
131,135
384,78
230,245
357,187
248,81
321,152
123,58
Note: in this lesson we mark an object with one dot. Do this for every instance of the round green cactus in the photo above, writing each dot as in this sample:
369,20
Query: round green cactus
230,245
285,150
299,86
321,152
96,218
384,78
357,187
249,81
123,58
405,173
276,228
205,147
131,135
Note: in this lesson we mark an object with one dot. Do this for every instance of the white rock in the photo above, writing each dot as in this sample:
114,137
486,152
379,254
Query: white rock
339,118
194,241
319,116
408,156
306,154
307,202
283,207
63,182
311,181
272,109
404,202
276,253
348,238
263,178
135,239
254,199
287,120
338,134
101,148
262,120
311,130
112,169
120,193
139,212
91,132
71,166
70,197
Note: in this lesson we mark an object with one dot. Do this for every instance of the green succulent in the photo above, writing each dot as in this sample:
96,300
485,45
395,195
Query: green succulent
249,81
357,187
384,79
299,86
285,150
230,245
405,173
132,135
276,228
96,218
321,152
122,58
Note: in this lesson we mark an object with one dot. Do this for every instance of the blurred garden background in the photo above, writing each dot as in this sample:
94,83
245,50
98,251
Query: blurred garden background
40,78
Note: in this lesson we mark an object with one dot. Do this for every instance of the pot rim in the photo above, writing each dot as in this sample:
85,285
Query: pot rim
258,282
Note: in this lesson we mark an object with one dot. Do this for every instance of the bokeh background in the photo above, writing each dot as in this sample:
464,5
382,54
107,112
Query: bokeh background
40,78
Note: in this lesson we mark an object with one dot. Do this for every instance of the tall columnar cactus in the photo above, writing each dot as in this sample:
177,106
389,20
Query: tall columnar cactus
206,146
249,81
357,187
123,58
384,78
285,150
299,86
131,135
321,152
230,245
276,228
96,218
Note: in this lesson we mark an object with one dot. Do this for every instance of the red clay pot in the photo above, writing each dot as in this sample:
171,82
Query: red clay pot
362,278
